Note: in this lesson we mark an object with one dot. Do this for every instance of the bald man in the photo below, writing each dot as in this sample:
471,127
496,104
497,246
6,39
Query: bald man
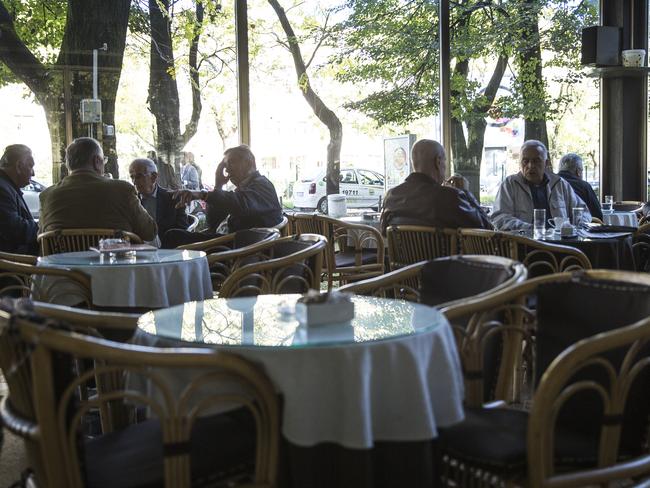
425,198
533,188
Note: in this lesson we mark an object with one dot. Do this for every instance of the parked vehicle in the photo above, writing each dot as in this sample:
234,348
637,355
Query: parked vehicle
362,187
30,194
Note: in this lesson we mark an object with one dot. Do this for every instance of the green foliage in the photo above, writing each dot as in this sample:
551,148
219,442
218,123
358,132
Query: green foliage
40,24
392,46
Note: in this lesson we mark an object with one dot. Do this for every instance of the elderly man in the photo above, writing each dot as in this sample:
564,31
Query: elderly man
533,188
157,201
17,227
85,199
253,203
571,169
425,199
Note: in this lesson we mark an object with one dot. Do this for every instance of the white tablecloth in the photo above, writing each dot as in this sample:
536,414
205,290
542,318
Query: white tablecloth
143,285
621,218
399,389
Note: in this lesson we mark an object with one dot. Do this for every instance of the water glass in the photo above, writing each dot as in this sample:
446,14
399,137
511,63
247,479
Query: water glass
608,204
577,213
539,223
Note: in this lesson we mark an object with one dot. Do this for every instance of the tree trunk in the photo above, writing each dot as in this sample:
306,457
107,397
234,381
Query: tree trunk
529,62
89,24
324,114
467,154
163,91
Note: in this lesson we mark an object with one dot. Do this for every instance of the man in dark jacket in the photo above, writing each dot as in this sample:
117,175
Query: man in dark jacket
571,170
425,197
156,200
18,230
253,203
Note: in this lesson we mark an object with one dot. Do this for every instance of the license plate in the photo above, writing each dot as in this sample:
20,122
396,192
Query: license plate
300,193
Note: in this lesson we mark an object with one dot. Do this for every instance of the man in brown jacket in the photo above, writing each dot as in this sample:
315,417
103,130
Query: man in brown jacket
425,199
85,199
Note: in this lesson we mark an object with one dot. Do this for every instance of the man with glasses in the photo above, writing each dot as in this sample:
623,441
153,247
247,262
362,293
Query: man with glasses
533,187
85,199
157,201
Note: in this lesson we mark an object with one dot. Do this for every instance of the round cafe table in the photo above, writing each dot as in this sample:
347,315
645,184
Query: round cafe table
391,376
155,279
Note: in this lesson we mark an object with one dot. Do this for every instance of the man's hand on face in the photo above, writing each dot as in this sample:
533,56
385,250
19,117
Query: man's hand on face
220,177
184,197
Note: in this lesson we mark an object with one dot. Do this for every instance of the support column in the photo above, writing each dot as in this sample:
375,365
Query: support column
243,83
624,107
445,78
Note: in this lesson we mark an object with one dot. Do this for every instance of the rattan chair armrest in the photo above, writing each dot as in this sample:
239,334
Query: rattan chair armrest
16,424
217,241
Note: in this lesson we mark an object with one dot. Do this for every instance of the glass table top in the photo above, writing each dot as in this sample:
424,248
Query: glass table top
92,258
583,236
269,321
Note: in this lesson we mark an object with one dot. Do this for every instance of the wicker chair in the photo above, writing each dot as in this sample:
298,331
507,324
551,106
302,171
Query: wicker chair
354,251
194,223
14,363
229,252
182,445
19,258
294,265
511,315
282,225
406,283
409,244
70,240
540,258
627,206
45,284
590,411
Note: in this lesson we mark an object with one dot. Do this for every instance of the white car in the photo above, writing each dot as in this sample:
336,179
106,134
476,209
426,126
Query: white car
30,195
362,187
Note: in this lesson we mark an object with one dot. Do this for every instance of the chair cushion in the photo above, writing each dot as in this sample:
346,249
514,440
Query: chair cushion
347,258
571,311
247,237
495,438
221,446
455,277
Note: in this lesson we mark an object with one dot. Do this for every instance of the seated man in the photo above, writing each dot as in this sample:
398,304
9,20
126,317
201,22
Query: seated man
85,199
253,203
571,169
533,188
424,198
18,230
157,201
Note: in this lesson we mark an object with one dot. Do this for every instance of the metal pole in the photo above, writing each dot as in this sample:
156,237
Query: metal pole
243,83
445,77
95,74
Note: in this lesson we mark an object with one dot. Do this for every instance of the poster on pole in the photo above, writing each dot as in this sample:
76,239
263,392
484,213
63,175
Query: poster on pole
397,159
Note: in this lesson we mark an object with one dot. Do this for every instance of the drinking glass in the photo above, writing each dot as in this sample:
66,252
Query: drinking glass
539,223
577,213
608,204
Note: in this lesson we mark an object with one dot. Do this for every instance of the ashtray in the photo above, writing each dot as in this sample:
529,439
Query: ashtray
324,308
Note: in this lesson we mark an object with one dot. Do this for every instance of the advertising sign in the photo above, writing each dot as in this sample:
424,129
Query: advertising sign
397,159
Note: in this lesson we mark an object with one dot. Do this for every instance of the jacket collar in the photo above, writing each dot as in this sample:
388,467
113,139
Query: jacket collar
247,181
416,176
553,179
5,176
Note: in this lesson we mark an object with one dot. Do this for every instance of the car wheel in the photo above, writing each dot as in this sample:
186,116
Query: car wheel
322,205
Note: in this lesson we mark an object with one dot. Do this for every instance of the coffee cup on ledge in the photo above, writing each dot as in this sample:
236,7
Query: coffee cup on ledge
633,58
